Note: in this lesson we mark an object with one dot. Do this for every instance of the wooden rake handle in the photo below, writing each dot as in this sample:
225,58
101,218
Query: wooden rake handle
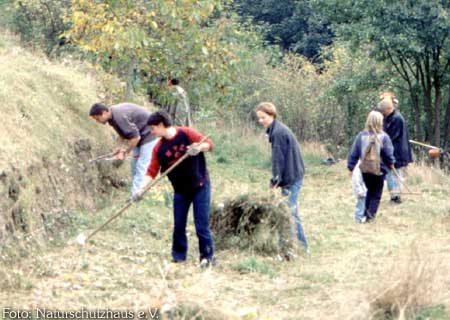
406,187
151,184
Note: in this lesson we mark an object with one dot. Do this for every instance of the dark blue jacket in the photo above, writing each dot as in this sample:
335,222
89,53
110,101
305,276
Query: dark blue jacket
362,142
395,126
287,162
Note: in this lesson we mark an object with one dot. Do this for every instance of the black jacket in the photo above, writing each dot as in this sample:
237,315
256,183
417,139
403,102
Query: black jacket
287,162
395,126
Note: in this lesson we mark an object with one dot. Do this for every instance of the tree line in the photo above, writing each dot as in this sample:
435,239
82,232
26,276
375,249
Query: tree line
323,61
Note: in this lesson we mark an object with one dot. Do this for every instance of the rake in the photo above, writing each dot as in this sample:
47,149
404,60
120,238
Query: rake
82,239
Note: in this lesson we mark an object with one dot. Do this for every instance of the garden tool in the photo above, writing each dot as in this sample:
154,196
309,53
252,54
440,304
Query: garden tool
433,152
400,179
105,157
82,239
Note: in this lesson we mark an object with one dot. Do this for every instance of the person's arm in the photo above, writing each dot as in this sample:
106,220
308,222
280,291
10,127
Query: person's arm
132,143
398,126
120,143
196,137
355,153
278,155
387,152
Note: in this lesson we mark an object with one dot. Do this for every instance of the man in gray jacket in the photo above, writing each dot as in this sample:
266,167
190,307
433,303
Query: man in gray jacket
130,122
287,163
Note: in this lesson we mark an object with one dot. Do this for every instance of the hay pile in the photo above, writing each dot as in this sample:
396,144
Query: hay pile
259,222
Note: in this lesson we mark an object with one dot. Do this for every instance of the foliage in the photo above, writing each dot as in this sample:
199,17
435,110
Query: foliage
328,105
294,25
39,23
412,36
151,41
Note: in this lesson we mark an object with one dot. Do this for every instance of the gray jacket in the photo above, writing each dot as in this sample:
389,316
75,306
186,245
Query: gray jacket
130,121
287,162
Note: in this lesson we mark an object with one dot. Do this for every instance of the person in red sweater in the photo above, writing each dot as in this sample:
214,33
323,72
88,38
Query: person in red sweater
190,181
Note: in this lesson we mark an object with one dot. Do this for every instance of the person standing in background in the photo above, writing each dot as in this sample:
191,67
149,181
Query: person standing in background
395,126
179,110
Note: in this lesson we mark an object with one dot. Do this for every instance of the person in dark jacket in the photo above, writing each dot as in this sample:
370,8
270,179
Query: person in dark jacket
190,181
287,163
374,182
395,126
130,122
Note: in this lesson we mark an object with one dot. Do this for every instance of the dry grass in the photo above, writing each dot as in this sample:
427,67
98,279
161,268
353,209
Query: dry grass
422,174
413,285
49,100
354,271
47,138
255,221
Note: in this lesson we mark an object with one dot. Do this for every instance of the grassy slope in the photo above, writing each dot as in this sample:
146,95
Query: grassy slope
127,266
43,104
44,117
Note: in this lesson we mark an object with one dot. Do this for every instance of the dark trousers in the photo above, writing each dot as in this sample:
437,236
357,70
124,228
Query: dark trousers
374,186
201,199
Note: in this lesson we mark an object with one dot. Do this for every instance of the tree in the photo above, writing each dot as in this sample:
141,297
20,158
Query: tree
414,37
160,38
39,22
294,25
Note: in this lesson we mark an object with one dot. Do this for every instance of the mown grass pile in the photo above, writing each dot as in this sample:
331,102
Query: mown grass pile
257,221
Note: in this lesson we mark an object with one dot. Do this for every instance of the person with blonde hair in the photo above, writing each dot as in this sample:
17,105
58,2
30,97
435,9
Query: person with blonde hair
396,128
287,164
372,133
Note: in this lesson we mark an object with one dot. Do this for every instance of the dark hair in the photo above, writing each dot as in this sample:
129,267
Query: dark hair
97,109
159,117
174,81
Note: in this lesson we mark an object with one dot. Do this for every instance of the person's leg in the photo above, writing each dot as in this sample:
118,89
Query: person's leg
202,203
359,209
374,186
181,205
393,185
133,163
142,157
292,192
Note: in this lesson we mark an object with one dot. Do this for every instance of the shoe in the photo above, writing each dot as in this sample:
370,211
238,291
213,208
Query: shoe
205,262
289,256
361,220
178,260
396,199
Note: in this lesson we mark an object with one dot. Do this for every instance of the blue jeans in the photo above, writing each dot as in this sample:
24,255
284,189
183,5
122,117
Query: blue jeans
142,156
360,208
201,199
393,184
292,192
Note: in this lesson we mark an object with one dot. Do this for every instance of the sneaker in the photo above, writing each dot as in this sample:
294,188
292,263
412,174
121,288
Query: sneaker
361,220
205,262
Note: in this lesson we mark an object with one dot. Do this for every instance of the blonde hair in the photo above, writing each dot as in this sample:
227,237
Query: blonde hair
267,107
386,105
374,122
